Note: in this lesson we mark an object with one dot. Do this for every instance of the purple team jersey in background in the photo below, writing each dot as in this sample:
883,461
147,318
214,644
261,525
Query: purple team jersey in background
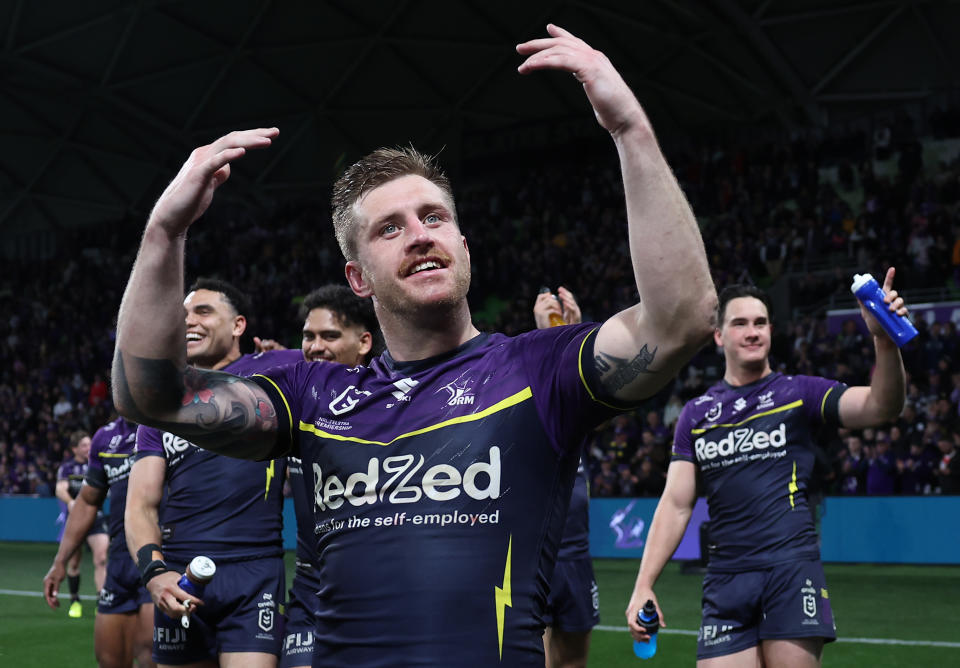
224,508
754,446
111,457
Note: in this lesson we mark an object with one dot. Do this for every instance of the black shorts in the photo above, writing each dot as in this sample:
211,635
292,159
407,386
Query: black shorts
240,613
573,604
300,624
100,525
784,601
122,591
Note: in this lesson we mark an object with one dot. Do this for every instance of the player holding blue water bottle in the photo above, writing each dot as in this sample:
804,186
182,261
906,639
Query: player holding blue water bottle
765,600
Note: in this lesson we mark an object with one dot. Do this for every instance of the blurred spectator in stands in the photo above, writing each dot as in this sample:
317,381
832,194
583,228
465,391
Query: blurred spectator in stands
98,390
916,468
672,411
853,467
626,481
656,427
948,470
605,482
881,476
650,478
62,407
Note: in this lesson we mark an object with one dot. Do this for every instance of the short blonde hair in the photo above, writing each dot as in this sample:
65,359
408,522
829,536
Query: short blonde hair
372,171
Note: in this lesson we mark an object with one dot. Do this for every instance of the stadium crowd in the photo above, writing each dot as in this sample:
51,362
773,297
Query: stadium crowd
811,212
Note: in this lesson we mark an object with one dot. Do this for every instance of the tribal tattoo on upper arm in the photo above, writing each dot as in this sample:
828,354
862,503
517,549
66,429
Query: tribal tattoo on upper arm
215,410
618,372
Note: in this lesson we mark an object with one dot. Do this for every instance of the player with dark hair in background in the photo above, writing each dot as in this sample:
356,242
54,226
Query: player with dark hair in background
338,327
226,509
70,477
765,599
123,629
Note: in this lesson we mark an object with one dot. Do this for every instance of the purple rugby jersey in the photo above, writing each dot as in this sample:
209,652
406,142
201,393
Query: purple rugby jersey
111,456
440,489
224,508
753,445
73,472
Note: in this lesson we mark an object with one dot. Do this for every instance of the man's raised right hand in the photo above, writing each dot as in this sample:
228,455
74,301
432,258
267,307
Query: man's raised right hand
191,191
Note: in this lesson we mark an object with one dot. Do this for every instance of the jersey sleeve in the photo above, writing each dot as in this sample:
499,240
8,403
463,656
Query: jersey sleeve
149,443
284,385
564,382
96,476
682,444
821,399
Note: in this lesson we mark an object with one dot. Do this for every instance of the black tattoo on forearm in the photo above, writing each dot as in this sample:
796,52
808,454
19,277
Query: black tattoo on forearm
215,410
616,372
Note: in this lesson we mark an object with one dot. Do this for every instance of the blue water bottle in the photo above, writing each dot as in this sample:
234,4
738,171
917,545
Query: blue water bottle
200,571
870,294
650,621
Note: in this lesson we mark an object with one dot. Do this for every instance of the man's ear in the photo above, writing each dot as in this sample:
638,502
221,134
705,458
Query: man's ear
239,325
717,337
358,283
366,343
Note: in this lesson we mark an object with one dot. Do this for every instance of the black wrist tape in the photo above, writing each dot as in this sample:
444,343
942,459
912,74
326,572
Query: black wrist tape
145,555
153,569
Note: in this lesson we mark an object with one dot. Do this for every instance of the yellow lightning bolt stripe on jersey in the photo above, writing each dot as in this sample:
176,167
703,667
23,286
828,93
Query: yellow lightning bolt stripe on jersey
793,488
503,596
269,478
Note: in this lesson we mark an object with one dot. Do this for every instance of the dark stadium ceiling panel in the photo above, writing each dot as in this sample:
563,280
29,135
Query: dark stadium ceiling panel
101,101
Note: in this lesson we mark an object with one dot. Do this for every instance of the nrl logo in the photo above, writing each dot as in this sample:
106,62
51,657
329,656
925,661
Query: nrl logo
347,400
714,413
809,599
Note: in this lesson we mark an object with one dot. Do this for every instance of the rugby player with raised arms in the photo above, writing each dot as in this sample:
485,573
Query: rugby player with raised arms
440,473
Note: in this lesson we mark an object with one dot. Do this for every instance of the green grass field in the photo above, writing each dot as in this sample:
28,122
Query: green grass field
879,610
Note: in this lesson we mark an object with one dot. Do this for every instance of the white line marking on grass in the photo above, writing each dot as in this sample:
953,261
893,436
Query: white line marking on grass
15,592
865,641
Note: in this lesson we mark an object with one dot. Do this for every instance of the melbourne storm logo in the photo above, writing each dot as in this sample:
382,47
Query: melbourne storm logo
460,392
628,529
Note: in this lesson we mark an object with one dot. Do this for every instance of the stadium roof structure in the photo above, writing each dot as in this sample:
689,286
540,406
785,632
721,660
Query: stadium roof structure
102,100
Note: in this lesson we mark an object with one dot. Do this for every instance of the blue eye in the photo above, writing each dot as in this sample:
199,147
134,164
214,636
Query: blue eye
389,228
432,218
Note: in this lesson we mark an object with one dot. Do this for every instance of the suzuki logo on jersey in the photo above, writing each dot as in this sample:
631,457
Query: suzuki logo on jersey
766,400
174,445
739,441
392,480
739,405
403,386
347,400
